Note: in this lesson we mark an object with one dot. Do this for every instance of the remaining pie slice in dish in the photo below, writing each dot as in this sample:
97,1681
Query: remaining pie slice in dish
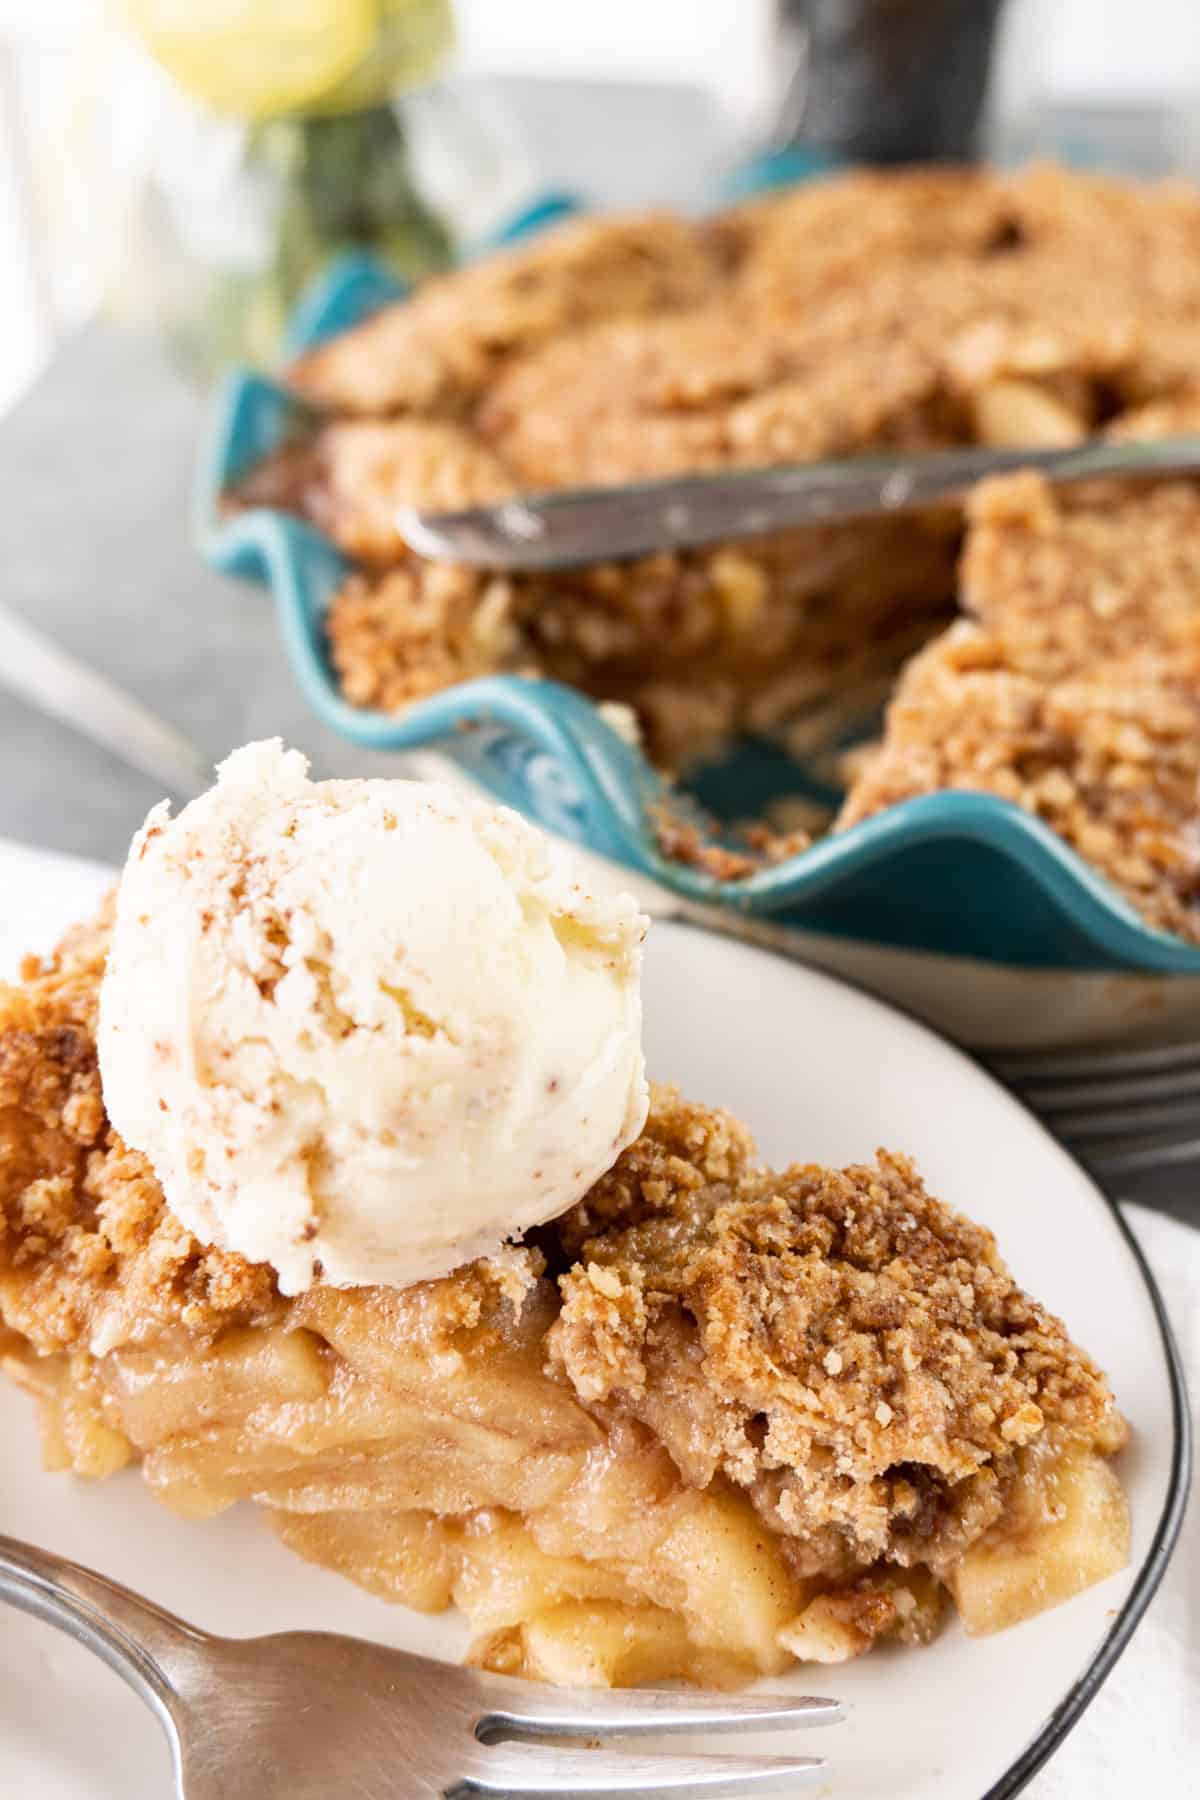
712,1420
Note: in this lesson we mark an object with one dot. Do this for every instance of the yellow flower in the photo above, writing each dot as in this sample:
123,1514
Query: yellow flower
256,59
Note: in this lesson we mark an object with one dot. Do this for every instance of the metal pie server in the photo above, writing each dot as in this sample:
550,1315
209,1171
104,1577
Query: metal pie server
568,527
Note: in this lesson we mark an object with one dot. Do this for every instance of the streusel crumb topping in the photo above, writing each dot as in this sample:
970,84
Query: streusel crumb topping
1074,689
85,1239
843,1344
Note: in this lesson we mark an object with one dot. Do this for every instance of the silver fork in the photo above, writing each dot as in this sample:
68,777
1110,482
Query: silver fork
303,1715
1131,1116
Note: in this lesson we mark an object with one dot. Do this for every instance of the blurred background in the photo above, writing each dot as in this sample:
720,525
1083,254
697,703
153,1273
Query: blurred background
114,184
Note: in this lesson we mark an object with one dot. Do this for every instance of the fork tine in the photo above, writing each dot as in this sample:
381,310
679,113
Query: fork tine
556,1712
526,1771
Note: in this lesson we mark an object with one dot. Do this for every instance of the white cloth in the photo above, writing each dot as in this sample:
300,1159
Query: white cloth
1141,1735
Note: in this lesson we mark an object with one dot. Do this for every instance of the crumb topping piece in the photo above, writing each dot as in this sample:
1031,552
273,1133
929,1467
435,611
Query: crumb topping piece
877,310
839,1342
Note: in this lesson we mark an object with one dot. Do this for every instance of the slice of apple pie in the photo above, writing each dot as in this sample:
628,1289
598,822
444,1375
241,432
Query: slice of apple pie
713,1419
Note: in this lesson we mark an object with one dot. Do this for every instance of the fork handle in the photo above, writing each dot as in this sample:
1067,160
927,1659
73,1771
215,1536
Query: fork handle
135,1638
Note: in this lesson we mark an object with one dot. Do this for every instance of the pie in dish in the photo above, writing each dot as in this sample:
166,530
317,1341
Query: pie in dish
878,310
712,1420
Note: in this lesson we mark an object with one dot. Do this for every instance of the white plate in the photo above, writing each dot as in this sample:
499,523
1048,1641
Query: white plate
821,1072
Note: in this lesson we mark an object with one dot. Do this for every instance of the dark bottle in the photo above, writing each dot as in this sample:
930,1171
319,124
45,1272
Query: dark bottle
884,80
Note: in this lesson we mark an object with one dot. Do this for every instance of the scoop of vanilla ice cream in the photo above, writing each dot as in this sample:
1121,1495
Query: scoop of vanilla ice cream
365,1030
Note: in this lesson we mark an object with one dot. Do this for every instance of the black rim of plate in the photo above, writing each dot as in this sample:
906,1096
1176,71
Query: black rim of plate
1075,1702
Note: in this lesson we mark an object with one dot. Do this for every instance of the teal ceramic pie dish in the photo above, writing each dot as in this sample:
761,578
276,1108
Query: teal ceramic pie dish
960,874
